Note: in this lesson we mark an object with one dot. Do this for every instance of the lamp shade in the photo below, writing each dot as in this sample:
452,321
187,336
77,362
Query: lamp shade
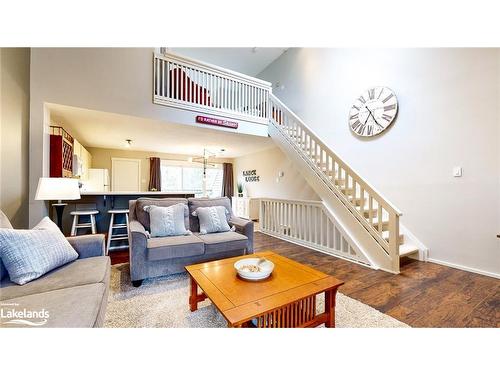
57,189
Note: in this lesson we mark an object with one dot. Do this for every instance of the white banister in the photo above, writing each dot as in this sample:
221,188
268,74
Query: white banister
307,223
194,85
355,193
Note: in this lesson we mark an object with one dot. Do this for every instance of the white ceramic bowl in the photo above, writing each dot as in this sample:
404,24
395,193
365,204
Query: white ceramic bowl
266,268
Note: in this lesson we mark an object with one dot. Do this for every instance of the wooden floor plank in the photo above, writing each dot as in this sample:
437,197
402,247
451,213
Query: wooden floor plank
422,295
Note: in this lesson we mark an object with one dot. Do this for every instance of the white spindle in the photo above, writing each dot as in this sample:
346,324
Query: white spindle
167,80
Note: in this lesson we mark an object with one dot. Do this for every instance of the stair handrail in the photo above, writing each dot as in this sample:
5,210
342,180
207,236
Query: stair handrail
375,192
390,245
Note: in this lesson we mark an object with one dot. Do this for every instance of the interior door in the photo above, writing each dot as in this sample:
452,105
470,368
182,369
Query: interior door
125,174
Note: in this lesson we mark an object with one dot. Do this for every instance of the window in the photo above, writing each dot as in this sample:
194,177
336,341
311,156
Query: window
188,177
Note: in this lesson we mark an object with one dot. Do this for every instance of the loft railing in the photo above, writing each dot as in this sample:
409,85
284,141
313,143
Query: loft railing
189,84
377,215
307,223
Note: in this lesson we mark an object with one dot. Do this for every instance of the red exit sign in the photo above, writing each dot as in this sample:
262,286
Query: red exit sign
216,122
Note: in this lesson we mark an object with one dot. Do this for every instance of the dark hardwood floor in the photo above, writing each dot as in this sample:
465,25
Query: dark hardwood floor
422,295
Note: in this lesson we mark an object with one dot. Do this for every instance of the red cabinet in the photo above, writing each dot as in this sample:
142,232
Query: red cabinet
61,152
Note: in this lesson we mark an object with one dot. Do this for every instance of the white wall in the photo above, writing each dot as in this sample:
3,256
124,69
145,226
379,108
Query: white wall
117,80
14,126
448,116
268,164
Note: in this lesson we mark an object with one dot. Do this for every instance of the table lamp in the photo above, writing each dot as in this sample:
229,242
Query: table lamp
59,189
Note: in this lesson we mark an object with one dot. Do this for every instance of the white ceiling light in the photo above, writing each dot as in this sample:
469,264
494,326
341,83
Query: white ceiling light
128,143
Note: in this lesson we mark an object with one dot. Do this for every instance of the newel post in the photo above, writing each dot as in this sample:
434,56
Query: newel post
394,240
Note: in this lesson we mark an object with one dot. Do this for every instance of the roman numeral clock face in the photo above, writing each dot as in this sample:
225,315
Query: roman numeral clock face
373,111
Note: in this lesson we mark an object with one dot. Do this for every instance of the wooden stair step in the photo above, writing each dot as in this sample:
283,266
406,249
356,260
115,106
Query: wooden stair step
407,249
338,181
384,224
385,236
346,191
366,211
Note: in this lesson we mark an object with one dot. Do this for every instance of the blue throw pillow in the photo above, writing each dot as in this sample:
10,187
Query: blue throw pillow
29,254
212,219
167,221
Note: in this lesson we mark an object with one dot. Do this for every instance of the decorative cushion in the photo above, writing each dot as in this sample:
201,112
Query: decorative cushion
212,219
29,254
143,216
194,203
167,221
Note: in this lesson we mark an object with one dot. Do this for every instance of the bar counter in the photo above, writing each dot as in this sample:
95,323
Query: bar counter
107,200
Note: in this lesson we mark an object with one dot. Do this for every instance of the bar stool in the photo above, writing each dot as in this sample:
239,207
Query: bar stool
76,221
117,236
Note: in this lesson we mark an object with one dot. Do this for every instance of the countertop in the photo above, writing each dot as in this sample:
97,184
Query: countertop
137,192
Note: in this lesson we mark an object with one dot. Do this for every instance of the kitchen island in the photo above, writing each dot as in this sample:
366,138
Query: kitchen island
103,201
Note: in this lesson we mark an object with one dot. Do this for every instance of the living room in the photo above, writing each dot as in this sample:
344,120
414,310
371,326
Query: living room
250,187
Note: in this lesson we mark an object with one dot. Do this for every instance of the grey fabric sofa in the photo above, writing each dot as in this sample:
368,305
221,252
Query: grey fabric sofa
74,295
151,257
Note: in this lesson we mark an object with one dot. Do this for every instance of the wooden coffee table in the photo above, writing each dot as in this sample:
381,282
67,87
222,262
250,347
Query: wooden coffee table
286,299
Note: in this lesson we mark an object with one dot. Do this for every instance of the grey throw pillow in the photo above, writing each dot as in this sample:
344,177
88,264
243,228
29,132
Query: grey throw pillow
167,221
29,254
212,219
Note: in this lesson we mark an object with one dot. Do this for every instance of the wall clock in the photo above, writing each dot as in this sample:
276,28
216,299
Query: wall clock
373,111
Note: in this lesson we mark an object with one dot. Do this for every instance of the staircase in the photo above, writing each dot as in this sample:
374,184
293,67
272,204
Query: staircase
370,220
355,221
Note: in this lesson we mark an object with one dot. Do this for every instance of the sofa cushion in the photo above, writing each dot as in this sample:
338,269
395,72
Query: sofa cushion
80,272
29,254
174,247
222,242
78,306
143,216
194,203
167,221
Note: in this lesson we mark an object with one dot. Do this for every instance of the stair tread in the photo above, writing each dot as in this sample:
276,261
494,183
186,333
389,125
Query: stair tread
385,236
406,249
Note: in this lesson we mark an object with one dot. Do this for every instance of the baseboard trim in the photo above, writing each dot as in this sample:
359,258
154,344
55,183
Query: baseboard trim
464,268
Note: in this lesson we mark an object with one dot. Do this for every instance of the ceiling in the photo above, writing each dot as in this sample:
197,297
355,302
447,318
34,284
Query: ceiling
250,61
110,130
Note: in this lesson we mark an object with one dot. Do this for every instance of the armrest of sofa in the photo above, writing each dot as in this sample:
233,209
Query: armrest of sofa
90,245
138,231
138,241
244,227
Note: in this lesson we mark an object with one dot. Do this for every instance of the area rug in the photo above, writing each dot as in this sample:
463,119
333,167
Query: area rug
163,302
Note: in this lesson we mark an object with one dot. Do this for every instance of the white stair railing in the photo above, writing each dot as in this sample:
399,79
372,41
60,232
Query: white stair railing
307,223
375,213
194,85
